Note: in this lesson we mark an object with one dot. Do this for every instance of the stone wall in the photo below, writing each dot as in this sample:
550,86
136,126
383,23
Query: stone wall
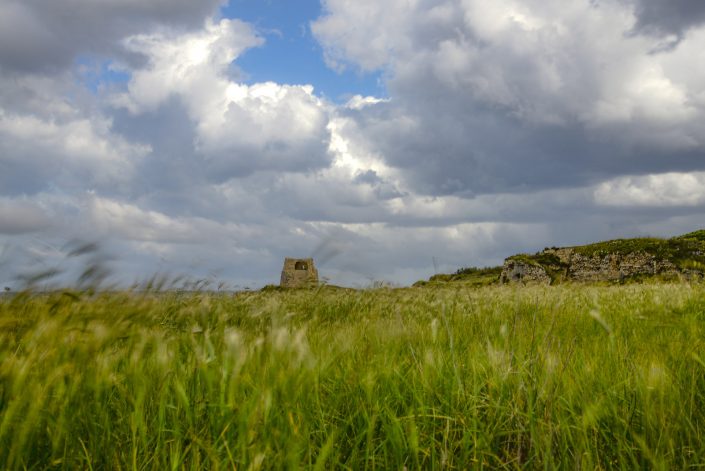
299,273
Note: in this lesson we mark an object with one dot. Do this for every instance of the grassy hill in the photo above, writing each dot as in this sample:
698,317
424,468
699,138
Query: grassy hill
685,253
472,276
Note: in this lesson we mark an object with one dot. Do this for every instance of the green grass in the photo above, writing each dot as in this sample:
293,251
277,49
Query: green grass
686,251
470,277
571,377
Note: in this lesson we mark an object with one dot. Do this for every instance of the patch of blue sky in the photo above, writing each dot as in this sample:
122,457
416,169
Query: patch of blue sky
95,73
291,55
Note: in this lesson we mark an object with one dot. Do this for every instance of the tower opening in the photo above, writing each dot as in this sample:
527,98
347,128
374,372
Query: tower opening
300,266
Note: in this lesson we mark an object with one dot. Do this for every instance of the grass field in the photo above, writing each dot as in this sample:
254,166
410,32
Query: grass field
571,377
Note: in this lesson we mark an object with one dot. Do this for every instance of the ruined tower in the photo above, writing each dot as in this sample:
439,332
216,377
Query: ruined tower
299,273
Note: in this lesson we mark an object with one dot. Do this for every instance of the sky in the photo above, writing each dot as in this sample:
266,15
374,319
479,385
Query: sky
389,140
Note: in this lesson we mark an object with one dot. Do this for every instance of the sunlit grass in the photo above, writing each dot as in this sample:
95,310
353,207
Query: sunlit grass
446,378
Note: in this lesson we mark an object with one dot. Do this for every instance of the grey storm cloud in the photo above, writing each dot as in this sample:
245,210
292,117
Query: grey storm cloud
46,35
663,17
20,217
492,100
448,146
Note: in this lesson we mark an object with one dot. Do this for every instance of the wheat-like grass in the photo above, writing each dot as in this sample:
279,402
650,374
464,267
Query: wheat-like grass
429,378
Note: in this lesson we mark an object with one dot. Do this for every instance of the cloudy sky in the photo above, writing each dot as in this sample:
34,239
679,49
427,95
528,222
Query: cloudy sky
389,140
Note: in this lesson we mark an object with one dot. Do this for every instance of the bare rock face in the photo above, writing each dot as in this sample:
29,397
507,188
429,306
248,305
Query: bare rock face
299,273
614,267
572,265
518,270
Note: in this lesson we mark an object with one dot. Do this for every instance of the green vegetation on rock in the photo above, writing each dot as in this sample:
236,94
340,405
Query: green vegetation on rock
684,251
645,259
696,235
437,377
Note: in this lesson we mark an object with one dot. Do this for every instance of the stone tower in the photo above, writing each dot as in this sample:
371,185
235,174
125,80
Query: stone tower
299,273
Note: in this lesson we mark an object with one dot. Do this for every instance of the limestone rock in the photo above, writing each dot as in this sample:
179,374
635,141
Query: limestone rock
519,270
574,266
614,267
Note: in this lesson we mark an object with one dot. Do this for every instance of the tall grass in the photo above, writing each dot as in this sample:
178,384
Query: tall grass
442,378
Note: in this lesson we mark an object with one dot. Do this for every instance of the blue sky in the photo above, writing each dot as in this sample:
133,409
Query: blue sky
291,54
94,72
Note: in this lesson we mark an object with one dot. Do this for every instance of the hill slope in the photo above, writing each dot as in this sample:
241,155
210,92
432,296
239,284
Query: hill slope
619,260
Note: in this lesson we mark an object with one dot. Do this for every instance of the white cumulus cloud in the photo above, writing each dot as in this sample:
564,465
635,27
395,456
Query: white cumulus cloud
658,190
239,128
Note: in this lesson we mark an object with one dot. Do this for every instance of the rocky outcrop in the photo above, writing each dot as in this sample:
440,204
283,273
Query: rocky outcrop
569,264
618,260
520,270
615,267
